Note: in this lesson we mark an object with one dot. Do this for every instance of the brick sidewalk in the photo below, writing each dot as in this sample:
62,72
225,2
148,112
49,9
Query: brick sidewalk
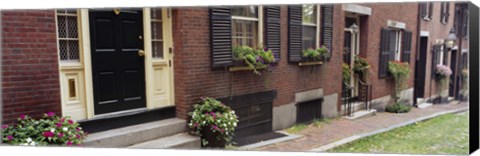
342,128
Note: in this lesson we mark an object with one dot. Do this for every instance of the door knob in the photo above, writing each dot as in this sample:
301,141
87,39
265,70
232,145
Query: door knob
141,52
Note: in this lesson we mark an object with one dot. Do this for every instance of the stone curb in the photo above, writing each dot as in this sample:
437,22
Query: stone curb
273,141
359,136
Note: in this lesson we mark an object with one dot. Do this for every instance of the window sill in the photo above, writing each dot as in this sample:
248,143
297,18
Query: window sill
311,63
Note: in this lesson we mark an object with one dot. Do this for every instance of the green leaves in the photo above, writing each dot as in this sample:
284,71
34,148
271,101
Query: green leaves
316,54
254,58
400,72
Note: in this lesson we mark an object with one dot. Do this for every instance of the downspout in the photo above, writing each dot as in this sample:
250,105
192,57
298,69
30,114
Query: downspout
1,88
417,49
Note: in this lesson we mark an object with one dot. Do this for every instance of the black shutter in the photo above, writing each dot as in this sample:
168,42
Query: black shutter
423,10
272,30
447,13
430,9
407,46
327,27
295,33
442,11
435,59
221,36
386,52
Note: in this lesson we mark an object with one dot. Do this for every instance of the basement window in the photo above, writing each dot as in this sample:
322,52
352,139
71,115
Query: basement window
309,110
67,31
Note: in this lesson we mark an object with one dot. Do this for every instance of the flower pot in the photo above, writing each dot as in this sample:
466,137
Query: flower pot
211,137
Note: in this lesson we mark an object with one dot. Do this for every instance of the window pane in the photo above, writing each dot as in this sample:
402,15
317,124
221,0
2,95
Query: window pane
309,14
244,33
245,11
157,30
156,13
308,37
157,48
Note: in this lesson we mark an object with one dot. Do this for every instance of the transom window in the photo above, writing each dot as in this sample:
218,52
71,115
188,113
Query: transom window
309,26
67,31
157,32
245,21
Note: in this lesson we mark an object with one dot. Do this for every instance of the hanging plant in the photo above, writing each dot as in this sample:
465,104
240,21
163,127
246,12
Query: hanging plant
345,73
444,73
400,72
360,65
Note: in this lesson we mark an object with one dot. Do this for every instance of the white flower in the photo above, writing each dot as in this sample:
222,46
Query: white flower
235,124
29,139
231,118
65,129
233,112
24,144
224,125
190,124
32,143
226,133
218,121
203,122
52,130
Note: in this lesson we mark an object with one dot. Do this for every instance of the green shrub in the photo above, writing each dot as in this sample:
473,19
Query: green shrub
397,108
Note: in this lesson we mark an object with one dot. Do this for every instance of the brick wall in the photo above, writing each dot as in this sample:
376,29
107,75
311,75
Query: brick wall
437,31
194,77
30,80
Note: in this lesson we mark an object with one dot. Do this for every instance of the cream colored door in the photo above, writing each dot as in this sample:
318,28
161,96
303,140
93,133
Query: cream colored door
158,55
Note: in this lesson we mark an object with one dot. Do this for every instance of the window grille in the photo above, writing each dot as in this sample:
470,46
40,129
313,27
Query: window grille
157,33
67,29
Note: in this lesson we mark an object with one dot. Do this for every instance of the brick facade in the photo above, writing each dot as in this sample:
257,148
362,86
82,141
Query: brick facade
195,78
437,31
30,77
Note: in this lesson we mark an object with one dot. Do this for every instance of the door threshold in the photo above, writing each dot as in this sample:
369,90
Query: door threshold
120,113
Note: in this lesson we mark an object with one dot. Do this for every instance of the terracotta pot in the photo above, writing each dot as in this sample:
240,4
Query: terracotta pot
211,137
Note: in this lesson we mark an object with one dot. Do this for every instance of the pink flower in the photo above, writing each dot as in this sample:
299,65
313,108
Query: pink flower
60,135
59,124
78,129
69,143
70,122
4,126
50,114
78,136
62,119
9,137
22,116
48,134
196,125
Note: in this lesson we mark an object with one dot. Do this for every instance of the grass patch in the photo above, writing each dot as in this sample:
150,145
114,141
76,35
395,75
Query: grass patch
446,134
296,128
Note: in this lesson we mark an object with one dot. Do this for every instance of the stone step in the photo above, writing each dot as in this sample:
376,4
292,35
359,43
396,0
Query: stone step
178,141
362,114
127,136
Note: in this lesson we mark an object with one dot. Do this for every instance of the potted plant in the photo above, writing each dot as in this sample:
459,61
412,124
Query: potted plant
214,122
464,92
313,55
49,130
400,72
253,58
361,66
443,72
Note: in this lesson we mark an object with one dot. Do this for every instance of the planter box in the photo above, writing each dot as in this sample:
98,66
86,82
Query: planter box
240,66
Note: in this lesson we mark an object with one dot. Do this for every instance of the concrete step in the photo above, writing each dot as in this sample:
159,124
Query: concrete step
127,136
424,105
362,114
178,141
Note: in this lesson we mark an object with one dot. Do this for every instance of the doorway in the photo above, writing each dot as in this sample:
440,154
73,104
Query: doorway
420,69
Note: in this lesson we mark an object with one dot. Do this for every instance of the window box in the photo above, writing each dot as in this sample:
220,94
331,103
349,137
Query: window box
241,66
310,63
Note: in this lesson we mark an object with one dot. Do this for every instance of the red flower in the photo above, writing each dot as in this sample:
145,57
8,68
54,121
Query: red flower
60,135
69,143
70,122
59,124
62,119
22,116
48,134
4,126
9,137
78,136
50,114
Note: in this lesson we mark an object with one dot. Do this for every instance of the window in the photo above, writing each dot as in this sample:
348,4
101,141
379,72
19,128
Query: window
445,12
309,26
157,32
426,10
245,21
67,31
398,44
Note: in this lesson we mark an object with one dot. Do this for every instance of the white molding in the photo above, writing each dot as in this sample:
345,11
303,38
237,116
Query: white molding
396,24
357,9
424,33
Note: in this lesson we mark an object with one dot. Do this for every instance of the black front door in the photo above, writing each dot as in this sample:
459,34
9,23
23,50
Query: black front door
117,68
420,69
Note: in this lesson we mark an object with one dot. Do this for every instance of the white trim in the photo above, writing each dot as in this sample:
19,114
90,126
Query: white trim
357,9
245,18
424,33
396,24
87,62
318,26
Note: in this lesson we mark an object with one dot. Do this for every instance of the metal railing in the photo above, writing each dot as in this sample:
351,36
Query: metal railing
365,90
